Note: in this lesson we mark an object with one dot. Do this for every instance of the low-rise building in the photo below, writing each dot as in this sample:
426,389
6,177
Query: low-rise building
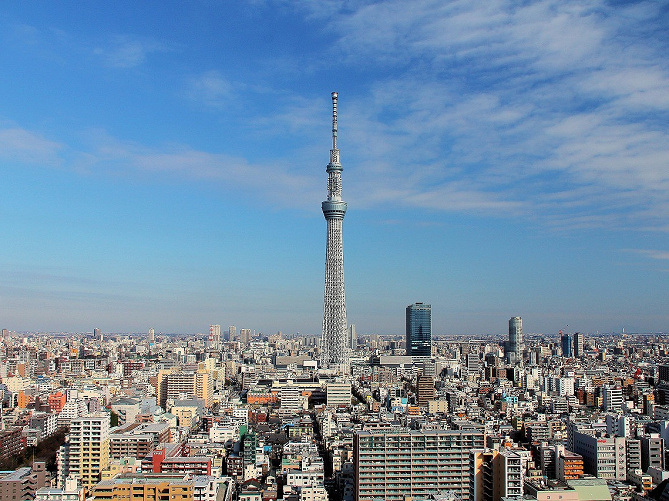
23,483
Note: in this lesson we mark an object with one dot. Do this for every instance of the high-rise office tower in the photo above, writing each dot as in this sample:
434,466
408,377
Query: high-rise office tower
333,343
352,337
516,337
215,337
567,343
419,330
578,344
232,333
152,335
245,336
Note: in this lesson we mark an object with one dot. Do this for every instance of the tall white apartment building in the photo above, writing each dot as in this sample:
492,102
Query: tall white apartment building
565,386
291,401
88,450
495,475
612,398
72,409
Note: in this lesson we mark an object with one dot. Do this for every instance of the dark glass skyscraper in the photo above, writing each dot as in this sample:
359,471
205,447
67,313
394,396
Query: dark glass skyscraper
567,343
419,330
578,344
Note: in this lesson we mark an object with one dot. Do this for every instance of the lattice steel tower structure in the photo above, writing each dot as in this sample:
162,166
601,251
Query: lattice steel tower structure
333,342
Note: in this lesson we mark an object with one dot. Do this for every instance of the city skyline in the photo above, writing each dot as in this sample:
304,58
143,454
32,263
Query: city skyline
163,165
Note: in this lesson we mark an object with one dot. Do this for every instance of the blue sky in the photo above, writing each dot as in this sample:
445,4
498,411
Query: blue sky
163,164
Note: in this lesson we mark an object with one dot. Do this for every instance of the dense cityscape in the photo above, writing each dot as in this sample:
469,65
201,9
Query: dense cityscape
240,415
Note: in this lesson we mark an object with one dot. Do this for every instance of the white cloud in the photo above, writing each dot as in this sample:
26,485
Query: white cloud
653,254
512,103
274,181
210,89
126,51
17,144
554,110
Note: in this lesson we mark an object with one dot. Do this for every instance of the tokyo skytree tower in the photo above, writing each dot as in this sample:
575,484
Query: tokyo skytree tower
333,342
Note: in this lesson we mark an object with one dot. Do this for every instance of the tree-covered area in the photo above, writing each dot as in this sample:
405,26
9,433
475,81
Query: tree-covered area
45,450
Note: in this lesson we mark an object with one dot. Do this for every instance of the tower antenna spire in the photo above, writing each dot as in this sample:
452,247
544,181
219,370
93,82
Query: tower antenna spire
335,95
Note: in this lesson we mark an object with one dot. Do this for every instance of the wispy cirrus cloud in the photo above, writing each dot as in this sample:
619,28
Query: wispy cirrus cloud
274,181
210,88
651,253
21,145
128,51
549,110
557,110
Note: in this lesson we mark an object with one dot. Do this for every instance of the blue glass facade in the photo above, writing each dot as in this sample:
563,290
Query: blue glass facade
567,345
419,330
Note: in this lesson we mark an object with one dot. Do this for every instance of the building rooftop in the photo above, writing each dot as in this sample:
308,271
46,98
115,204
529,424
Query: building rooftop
145,478
590,489
16,475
